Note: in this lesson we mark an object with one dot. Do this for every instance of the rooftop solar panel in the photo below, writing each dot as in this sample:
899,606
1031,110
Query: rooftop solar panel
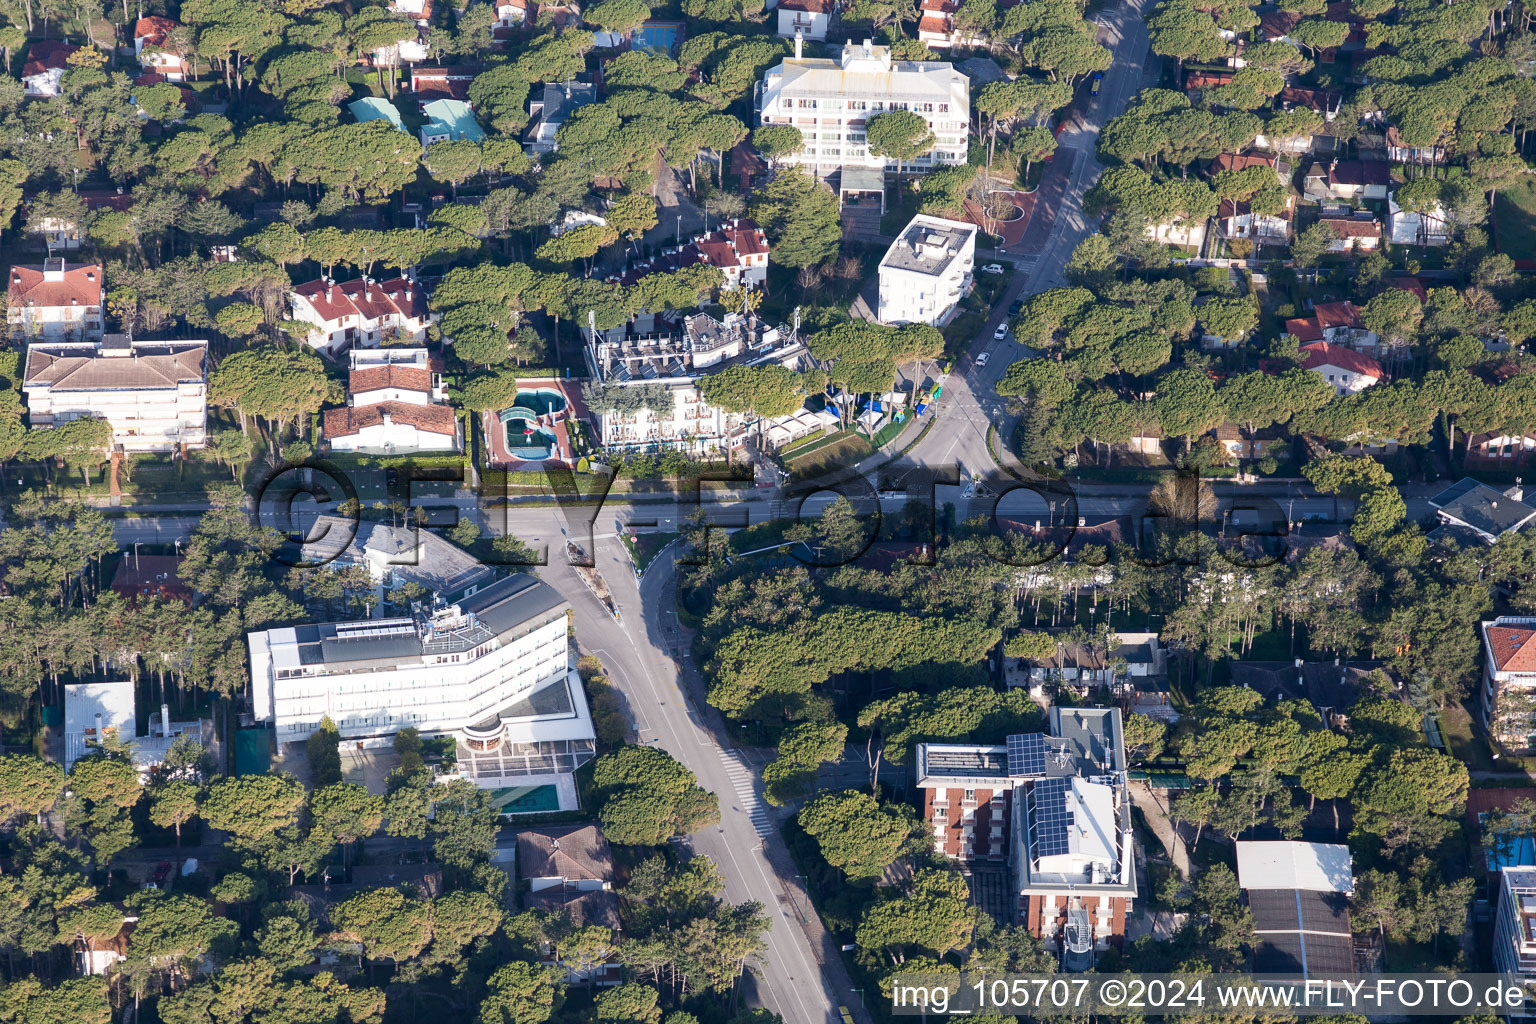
1301,932
1026,755
1050,817
1323,912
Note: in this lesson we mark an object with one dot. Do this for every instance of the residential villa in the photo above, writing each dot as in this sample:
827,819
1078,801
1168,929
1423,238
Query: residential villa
1348,180
831,101
154,393
395,404
551,109
55,301
1347,370
926,271
1472,510
1353,233
568,871
150,38
1238,220
1408,228
100,714
42,75
808,19
1337,323
361,313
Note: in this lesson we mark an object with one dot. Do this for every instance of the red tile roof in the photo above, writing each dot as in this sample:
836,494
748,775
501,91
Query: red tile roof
409,297
1337,314
1320,353
1359,172
1351,227
153,29
809,6
1242,161
46,54
434,419
1305,329
1513,648
746,236
1207,79
81,286
1411,284
356,298
373,378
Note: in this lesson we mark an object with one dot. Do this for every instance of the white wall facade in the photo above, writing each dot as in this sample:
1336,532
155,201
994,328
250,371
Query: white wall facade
831,101
442,694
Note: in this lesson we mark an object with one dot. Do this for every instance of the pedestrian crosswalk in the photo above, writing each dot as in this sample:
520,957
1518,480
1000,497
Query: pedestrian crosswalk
742,780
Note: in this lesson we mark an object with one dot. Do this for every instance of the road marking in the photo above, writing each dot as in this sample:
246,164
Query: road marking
742,779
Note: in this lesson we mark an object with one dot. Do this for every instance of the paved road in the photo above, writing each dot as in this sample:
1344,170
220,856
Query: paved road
638,652
970,401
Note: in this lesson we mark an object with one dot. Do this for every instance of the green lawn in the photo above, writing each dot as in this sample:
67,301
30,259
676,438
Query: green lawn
1462,742
1514,220
844,450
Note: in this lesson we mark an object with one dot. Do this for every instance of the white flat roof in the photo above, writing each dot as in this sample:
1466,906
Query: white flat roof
94,709
1282,864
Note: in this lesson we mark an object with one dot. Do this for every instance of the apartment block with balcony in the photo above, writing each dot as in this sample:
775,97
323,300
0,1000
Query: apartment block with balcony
1509,679
154,393
927,271
55,301
1514,929
831,102
1053,808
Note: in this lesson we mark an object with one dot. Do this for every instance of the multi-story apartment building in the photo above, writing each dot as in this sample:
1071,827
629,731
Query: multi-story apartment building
831,102
1514,929
644,393
1509,679
1053,807
361,313
153,393
442,674
927,271
55,301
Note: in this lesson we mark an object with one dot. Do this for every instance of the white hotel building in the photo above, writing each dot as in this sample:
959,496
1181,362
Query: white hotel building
831,101
492,670
927,271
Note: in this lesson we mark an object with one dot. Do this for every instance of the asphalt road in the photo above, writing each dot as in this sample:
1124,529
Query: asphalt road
970,401
645,656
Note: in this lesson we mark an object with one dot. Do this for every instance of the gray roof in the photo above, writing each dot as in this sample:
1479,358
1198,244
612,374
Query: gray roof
928,245
493,611
1490,512
563,98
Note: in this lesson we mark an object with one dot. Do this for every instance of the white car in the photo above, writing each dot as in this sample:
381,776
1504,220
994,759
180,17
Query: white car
981,360
992,268
1001,332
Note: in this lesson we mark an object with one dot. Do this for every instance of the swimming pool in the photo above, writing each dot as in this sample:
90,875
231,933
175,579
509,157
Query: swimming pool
541,400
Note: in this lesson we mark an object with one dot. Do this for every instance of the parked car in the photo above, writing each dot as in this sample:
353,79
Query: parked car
1098,79
992,268
981,360
1001,332
1016,307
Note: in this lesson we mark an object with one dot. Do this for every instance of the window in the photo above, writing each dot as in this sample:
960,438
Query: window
970,794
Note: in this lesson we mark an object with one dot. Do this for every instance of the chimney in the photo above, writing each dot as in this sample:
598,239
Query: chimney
328,283
388,421
165,720
367,289
799,44
869,47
